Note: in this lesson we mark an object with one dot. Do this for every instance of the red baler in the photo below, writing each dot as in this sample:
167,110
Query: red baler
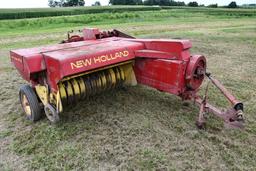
82,66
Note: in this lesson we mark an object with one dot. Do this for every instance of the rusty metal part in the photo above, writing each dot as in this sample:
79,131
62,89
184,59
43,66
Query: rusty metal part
236,103
201,121
233,116
91,34
229,116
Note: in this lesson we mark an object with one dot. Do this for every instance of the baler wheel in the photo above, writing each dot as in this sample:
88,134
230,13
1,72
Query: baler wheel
51,113
30,103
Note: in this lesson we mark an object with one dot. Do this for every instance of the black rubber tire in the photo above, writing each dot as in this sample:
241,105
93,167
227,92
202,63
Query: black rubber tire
36,112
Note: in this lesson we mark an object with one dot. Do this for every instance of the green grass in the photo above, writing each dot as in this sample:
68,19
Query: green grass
5,133
48,12
137,128
30,26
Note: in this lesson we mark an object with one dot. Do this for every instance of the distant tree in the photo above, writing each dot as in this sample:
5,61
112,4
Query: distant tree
125,2
97,3
179,3
232,5
133,2
213,6
249,5
164,2
252,5
71,3
52,3
116,2
150,2
157,2
193,4
65,3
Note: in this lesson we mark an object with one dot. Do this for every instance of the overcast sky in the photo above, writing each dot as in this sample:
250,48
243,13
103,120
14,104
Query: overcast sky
44,3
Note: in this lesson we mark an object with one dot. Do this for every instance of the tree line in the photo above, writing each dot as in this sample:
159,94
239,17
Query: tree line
65,3
147,2
68,3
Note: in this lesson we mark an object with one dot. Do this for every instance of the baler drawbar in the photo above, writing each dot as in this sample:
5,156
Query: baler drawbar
88,64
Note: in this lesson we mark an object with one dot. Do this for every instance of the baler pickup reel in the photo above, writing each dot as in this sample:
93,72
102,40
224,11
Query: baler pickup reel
85,65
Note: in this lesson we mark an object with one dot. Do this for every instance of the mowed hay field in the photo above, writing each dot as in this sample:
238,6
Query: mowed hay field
136,128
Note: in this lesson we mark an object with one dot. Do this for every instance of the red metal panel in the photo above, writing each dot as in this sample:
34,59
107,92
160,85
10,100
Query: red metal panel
17,61
67,62
37,50
154,54
33,60
164,75
178,48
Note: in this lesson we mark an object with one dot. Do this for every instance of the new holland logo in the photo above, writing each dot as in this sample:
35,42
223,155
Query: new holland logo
98,59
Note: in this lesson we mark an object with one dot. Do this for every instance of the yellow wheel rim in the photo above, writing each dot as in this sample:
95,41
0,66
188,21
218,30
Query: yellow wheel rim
25,105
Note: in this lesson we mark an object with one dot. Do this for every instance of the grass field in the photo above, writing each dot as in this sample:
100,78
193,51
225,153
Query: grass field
138,128
47,12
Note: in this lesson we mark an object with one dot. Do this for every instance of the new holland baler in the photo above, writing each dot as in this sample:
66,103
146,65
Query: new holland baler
88,64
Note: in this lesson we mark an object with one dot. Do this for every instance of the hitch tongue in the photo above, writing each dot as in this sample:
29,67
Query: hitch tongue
237,104
233,117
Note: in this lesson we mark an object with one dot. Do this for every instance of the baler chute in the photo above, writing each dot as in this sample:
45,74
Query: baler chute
82,66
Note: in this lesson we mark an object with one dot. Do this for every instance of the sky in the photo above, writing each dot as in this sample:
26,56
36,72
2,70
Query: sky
44,3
